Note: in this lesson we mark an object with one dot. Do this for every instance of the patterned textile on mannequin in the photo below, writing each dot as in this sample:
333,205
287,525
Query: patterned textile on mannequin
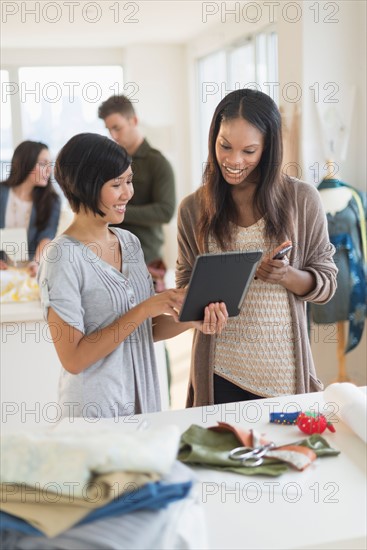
347,230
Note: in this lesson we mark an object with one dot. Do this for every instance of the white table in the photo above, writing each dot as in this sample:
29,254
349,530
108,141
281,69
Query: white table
323,507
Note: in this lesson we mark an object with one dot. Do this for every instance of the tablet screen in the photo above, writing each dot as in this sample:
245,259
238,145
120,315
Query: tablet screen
223,277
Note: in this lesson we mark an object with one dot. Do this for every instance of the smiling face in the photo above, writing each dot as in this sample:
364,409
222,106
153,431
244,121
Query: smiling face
115,194
238,148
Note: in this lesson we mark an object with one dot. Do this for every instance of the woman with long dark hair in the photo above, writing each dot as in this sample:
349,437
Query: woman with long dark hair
28,199
247,203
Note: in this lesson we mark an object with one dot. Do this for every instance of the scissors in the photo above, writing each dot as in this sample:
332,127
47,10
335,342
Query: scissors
251,457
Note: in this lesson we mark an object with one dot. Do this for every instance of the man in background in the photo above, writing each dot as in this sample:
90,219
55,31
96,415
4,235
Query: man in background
154,199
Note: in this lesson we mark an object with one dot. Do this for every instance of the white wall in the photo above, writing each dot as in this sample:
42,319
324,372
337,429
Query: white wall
332,56
310,53
159,71
342,63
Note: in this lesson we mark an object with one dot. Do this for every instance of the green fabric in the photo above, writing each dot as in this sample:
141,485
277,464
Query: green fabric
318,444
202,447
154,200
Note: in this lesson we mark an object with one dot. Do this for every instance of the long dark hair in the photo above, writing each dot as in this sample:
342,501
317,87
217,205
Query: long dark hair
22,163
274,193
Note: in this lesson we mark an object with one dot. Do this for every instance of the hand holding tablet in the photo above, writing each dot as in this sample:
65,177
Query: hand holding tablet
223,277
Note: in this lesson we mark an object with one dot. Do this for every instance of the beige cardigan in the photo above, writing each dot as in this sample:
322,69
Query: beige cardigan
311,251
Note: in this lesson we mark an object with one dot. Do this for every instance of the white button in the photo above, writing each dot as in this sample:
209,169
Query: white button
132,300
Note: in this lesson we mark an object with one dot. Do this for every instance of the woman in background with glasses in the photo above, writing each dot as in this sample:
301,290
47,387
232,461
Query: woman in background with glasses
28,200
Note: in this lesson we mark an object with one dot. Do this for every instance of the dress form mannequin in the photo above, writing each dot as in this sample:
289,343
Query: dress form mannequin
335,200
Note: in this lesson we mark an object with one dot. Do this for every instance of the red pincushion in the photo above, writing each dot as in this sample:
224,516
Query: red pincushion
312,423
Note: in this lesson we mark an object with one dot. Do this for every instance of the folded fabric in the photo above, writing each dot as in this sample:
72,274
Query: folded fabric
151,496
53,512
297,456
48,457
180,525
210,448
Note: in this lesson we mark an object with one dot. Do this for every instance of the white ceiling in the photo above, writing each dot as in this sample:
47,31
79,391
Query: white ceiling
136,22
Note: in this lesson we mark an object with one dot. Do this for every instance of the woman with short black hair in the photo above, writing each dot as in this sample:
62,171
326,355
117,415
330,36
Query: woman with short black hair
97,293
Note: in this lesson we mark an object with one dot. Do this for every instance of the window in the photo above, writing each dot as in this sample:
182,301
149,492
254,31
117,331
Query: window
252,63
59,102
51,104
241,65
212,72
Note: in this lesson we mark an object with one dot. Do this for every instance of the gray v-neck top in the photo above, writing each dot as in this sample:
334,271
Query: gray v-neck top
90,294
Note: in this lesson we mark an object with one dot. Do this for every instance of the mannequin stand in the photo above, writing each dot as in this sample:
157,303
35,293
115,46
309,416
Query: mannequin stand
342,370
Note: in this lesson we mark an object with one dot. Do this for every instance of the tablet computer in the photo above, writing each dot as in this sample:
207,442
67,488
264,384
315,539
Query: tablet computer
223,277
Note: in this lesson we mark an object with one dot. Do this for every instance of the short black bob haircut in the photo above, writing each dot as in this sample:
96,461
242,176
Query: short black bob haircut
84,165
